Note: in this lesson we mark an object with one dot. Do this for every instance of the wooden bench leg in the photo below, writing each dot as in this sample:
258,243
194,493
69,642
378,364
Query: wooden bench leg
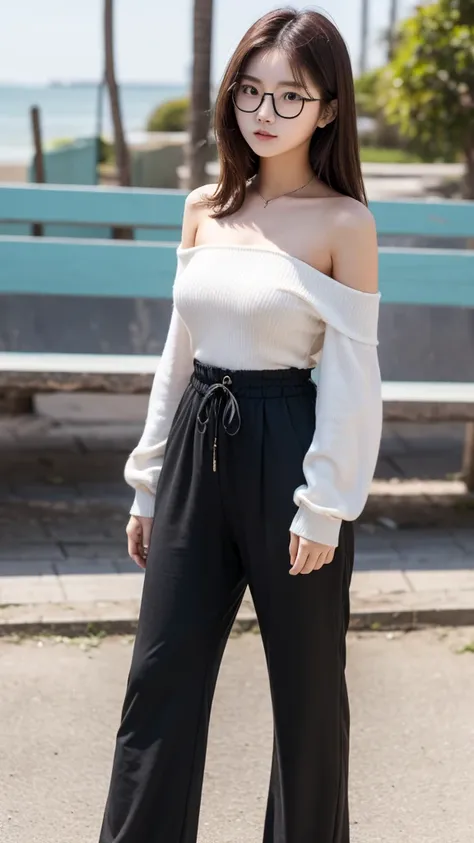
15,404
468,458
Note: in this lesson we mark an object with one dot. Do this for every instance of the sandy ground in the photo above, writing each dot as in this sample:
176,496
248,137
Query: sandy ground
412,759
13,173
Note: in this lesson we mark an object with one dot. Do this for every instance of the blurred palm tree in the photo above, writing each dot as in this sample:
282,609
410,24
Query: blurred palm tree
121,149
392,27
197,152
364,35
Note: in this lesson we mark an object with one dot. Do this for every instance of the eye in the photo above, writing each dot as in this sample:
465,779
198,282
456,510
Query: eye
249,90
293,96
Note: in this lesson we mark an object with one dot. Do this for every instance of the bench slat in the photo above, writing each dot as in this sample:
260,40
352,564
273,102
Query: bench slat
163,208
146,269
430,219
92,205
120,268
26,361
427,276
29,373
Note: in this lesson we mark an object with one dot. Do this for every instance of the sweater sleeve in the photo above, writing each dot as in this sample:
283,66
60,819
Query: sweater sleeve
340,462
143,466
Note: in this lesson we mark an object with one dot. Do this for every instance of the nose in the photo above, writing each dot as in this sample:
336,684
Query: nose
266,112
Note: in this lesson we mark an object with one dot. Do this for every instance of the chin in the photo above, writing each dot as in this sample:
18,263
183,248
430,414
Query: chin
261,149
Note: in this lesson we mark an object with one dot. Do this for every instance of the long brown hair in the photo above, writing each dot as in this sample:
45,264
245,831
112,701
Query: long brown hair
313,45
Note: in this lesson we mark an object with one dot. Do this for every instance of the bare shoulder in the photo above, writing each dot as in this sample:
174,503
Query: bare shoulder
350,215
354,248
198,197
194,208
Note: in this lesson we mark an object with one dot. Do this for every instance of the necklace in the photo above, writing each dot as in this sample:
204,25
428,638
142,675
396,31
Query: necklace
266,201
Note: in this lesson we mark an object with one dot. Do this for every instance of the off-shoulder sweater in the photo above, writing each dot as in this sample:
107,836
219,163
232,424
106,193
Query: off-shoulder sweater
253,307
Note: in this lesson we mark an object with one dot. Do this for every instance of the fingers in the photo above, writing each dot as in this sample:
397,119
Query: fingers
135,551
146,524
300,555
294,541
314,562
137,543
307,556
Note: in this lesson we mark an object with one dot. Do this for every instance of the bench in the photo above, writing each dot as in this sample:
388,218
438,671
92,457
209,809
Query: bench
91,266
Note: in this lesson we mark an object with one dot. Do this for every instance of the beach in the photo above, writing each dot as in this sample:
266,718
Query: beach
13,173
68,112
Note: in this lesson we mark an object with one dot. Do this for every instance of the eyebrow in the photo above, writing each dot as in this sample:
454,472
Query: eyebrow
291,82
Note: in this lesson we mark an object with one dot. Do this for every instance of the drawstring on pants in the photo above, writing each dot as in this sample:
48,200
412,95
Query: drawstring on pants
213,397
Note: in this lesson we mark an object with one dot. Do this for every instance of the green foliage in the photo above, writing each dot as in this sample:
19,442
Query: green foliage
430,81
106,149
367,91
370,89
106,152
170,116
383,155
58,143
466,8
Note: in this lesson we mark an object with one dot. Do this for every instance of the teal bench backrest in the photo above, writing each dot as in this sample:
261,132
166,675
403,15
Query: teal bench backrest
74,162
142,268
90,212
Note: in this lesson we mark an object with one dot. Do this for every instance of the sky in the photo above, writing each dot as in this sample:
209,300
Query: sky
44,40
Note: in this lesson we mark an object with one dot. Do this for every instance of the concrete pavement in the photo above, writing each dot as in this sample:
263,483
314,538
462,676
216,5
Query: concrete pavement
411,768
410,580
63,561
386,180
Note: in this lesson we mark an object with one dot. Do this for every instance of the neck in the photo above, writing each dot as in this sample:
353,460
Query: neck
282,174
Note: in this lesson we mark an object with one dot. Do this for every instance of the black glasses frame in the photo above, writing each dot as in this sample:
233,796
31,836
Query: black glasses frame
270,94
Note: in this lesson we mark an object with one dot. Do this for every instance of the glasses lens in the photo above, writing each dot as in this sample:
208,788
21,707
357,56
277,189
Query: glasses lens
247,97
288,104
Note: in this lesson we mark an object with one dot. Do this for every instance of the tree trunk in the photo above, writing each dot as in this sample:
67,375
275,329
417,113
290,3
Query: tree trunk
121,149
469,177
364,36
392,28
198,146
468,193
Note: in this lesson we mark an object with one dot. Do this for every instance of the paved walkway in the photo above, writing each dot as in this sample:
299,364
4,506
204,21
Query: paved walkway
389,181
411,765
64,507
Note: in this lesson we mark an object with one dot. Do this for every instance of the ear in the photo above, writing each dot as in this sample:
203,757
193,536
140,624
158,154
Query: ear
328,114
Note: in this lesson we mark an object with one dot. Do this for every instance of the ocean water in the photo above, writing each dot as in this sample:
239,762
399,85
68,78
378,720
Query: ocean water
70,111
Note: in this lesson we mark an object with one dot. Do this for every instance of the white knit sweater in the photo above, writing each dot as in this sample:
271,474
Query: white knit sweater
252,307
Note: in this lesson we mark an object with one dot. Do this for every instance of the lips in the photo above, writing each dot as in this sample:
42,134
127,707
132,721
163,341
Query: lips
264,135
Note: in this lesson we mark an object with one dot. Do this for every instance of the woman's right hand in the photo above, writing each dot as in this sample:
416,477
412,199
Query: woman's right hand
139,532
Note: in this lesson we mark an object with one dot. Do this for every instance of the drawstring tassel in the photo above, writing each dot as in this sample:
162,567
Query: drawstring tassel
214,453
231,409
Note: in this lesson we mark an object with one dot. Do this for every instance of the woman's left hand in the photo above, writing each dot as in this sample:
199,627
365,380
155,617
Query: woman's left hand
307,556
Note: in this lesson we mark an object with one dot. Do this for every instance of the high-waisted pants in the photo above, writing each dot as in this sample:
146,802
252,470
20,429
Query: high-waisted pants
224,505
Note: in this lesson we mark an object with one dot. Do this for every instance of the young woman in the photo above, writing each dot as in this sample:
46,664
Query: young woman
245,475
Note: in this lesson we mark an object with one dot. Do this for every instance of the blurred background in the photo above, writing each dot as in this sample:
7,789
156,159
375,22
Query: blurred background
53,57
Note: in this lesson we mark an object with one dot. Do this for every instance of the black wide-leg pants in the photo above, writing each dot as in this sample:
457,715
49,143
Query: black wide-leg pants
224,505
